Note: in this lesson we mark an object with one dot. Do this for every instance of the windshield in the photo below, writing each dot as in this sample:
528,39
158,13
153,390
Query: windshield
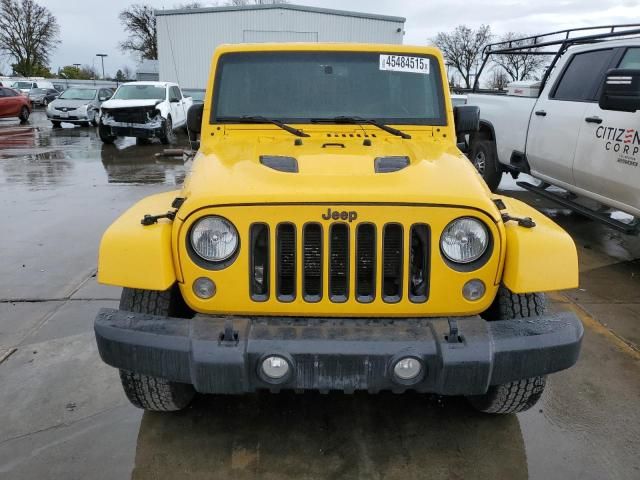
295,87
22,85
78,94
140,92
38,91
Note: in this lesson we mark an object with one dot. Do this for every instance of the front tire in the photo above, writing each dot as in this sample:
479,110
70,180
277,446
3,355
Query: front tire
104,134
168,136
24,115
485,159
144,391
519,395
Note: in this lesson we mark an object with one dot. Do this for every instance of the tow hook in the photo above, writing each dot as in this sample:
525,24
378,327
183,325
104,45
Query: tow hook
525,222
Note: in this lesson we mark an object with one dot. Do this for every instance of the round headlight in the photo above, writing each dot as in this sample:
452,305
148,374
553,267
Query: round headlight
214,238
464,240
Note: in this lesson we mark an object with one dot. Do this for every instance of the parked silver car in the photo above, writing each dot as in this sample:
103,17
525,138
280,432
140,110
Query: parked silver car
78,105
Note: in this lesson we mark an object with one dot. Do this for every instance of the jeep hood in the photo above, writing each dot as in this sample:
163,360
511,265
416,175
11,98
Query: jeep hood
228,173
130,103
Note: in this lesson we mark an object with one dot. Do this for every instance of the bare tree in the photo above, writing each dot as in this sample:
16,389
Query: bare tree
499,79
520,66
28,34
139,21
462,48
126,70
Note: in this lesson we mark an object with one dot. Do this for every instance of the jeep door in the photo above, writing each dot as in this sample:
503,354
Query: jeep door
607,159
559,113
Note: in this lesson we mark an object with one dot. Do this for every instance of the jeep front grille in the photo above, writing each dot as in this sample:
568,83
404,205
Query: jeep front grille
397,265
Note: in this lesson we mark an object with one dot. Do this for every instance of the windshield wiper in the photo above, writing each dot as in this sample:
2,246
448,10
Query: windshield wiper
261,119
358,120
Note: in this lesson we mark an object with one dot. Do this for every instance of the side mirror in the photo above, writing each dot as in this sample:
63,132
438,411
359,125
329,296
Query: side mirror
194,117
621,90
466,119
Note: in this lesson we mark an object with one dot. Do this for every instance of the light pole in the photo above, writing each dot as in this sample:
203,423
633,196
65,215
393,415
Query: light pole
102,55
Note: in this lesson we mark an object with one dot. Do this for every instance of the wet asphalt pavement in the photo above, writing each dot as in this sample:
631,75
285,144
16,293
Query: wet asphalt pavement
63,414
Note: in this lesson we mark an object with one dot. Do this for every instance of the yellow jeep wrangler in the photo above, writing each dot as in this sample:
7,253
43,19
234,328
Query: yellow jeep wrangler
332,236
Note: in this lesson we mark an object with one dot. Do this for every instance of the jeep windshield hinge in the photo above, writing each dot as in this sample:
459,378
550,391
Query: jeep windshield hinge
526,222
151,219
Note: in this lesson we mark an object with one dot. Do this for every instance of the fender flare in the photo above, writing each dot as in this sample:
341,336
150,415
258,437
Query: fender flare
138,256
538,259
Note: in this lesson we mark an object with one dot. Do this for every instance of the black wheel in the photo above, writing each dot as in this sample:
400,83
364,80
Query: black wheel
510,397
144,391
105,134
168,136
24,115
519,395
485,159
55,124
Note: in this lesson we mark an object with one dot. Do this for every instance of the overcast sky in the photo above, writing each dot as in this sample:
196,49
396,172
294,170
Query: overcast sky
91,26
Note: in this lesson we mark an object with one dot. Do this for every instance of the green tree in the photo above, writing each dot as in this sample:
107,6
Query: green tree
120,76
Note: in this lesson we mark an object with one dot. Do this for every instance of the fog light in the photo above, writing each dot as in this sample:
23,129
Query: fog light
407,368
473,290
275,367
204,288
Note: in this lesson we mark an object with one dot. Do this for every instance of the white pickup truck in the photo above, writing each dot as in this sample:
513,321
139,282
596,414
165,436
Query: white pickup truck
577,129
144,110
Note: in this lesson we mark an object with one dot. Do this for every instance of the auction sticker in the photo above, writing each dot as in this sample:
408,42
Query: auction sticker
402,63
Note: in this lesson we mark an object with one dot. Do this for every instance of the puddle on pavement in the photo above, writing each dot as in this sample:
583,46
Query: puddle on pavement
281,436
40,157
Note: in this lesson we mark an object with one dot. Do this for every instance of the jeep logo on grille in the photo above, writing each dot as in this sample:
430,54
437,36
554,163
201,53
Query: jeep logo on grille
343,215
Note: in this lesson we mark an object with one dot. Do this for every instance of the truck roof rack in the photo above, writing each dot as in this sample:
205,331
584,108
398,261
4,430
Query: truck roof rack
562,39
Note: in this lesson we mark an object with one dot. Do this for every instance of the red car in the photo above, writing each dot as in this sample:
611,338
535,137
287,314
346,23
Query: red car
14,104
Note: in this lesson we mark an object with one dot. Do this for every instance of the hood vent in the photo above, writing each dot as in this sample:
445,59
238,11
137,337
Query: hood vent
390,164
280,163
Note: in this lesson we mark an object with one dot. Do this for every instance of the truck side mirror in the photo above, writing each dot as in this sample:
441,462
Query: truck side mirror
621,90
194,117
466,119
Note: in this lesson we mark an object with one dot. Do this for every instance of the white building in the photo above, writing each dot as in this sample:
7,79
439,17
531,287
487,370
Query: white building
187,38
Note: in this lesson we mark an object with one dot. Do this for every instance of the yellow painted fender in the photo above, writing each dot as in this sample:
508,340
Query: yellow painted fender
138,256
538,259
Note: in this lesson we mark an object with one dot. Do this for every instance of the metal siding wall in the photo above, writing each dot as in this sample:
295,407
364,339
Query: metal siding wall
194,37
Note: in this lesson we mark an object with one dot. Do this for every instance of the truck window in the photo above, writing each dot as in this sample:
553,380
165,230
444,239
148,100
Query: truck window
175,93
631,59
582,77
298,87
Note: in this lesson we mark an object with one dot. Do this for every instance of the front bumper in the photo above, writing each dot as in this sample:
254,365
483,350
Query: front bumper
134,130
72,117
338,354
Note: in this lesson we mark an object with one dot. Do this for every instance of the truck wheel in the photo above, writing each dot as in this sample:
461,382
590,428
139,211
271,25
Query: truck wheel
104,135
519,395
144,391
167,136
484,158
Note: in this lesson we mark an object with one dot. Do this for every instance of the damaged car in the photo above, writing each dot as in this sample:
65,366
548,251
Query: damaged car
144,110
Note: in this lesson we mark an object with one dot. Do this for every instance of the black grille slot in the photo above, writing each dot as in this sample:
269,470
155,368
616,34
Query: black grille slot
339,262
392,263
259,262
131,114
419,263
366,263
312,262
286,262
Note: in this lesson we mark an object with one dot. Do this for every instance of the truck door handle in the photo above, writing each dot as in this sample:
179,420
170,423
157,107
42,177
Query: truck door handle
593,120
541,113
